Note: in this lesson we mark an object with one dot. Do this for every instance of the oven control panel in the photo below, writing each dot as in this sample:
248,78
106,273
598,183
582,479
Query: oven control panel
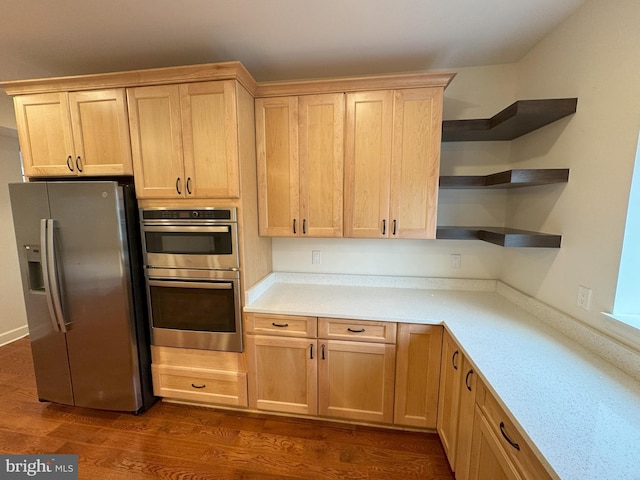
226,214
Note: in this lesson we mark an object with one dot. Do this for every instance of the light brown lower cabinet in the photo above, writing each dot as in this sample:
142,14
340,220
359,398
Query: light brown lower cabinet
355,380
367,371
419,350
449,397
201,376
488,460
466,412
494,430
282,357
349,373
284,373
480,440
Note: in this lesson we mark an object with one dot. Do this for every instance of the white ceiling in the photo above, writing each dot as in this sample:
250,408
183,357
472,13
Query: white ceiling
274,39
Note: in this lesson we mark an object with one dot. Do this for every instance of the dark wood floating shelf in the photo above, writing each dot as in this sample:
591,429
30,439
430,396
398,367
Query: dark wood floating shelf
508,179
505,237
514,121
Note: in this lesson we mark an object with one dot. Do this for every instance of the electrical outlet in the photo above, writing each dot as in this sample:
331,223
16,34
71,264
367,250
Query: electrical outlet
584,297
316,258
456,260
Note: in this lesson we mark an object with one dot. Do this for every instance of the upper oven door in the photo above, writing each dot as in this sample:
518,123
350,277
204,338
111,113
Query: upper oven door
187,246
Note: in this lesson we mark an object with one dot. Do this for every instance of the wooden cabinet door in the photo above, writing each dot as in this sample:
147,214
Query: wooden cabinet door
210,139
156,141
356,380
417,375
367,167
415,162
283,374
100,132
488,460
465,419
277,157
321,152
44,130
449,397
512,444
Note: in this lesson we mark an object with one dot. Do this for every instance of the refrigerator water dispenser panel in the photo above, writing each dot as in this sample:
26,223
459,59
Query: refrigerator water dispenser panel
34,268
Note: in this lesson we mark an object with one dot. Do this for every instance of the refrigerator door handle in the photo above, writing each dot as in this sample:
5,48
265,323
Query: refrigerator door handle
44,261
50,277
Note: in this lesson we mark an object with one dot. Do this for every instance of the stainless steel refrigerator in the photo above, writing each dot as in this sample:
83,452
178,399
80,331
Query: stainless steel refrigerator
79,253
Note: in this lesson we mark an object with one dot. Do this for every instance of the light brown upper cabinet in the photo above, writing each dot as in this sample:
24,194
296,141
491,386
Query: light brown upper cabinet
300,165
74,133
185,140
392,159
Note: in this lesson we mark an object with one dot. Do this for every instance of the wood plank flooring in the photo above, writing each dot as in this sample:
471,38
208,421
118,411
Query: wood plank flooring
180,442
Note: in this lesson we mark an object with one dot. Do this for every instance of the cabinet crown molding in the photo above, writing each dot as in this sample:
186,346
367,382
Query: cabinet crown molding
355,84
135,78
225,71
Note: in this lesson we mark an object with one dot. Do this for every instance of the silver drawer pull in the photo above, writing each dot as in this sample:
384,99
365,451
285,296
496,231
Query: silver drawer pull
355,331
198,386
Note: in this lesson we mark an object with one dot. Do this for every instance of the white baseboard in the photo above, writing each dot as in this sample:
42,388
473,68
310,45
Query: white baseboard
13,335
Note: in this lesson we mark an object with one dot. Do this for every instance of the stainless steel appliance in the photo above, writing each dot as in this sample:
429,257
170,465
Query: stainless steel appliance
178,238
80,261
193,278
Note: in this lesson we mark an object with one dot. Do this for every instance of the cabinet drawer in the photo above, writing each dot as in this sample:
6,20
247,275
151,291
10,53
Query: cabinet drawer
281,325
200,385
205,359
357,330
510,438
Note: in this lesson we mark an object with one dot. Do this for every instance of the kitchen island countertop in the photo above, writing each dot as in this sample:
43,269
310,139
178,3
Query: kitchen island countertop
580,413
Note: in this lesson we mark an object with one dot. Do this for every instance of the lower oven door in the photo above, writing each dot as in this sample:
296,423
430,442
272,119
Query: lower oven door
195,308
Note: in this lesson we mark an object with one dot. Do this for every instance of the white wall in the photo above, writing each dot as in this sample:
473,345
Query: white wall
13,319
7,116
595,56
420,258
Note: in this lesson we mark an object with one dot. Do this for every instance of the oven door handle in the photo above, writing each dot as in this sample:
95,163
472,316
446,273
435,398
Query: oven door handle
183,284
175,227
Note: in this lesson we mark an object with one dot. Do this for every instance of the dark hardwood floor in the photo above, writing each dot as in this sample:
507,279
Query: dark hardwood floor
179,442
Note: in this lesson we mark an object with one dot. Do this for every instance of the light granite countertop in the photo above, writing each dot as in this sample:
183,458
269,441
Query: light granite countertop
579,412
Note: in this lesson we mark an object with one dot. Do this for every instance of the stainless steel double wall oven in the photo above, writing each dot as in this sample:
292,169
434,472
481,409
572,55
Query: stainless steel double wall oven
192,273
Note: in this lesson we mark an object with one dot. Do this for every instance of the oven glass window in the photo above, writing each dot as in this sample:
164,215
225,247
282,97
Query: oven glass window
191,243
199,309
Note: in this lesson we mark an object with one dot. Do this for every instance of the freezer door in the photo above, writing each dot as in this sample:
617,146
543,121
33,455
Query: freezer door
97,296
30,207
